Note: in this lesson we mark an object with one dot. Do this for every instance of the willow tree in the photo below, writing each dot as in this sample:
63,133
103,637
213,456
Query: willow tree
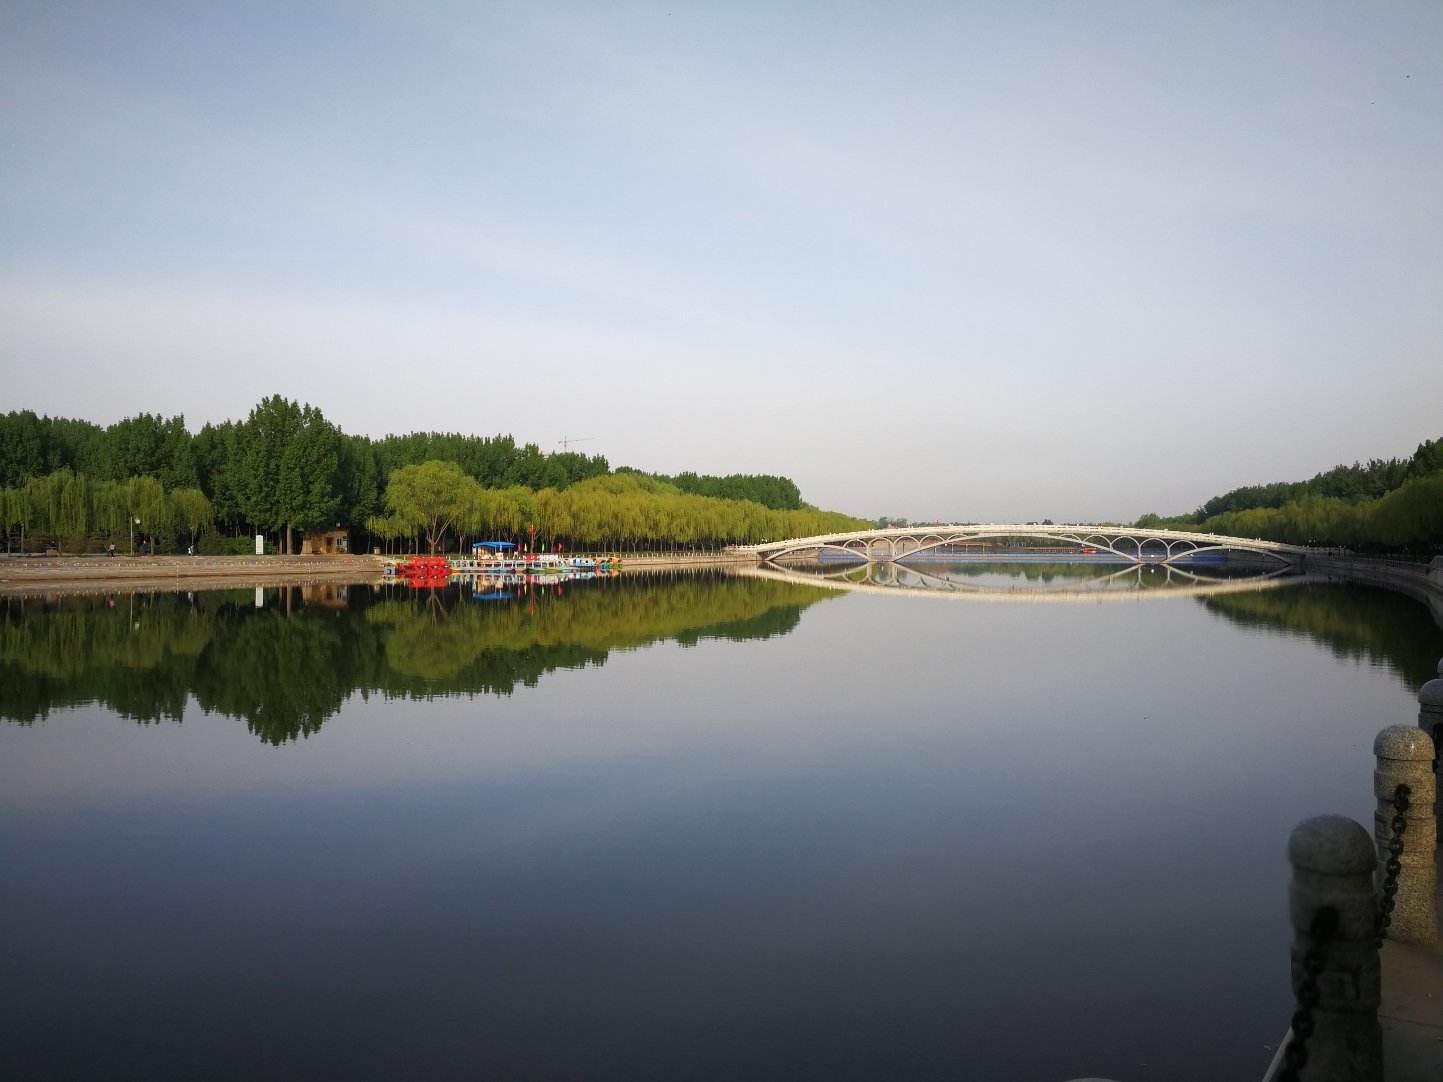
432,496
387,527
17,509
148,509
192,510
72,519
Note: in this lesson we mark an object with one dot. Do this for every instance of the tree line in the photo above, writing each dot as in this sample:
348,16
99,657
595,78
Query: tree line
1356,483
438,504
1386,505
73,512
284,469
769,490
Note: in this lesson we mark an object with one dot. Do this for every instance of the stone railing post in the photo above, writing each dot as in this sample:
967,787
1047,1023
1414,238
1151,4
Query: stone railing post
1405,757
1430,720
1336,980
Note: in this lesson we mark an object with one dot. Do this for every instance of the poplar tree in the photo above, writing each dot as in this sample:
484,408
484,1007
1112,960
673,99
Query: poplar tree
261,444
290,465
309,495
22,448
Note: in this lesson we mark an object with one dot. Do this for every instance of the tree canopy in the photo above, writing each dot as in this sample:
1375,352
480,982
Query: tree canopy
1383,505
432,497
285,467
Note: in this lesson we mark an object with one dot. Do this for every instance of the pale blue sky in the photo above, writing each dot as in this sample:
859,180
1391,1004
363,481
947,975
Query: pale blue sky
958,261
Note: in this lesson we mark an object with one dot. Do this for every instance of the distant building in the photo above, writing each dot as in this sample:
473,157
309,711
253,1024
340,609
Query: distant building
326,543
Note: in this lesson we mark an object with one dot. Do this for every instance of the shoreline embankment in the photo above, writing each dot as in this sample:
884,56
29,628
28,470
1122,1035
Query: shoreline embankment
106,574
1420,581
102,574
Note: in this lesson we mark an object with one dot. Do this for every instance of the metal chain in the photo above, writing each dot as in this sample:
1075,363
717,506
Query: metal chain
1320,933
1395,863
1437,744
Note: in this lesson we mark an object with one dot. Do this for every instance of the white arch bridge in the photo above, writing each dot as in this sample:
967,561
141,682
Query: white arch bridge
896,544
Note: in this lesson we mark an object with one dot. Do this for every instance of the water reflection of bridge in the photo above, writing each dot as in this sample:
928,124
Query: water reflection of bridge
1124,584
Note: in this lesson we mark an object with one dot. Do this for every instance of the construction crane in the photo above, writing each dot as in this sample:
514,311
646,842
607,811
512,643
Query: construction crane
567,441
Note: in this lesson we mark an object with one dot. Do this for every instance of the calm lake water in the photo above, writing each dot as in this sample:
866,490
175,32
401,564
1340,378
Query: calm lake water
676,828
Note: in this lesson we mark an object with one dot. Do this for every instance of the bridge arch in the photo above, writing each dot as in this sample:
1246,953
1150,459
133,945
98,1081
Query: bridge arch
1143,541
813,546
1135,545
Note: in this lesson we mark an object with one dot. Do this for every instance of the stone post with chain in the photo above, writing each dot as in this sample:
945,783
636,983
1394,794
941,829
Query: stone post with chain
1405,758
1430,720
1335,1034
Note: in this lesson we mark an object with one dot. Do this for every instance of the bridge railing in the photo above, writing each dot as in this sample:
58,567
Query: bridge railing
1077,533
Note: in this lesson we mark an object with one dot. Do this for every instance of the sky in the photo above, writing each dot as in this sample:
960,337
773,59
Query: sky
983,261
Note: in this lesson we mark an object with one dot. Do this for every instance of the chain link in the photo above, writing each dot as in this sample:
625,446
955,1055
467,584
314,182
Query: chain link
1395,863
1320,934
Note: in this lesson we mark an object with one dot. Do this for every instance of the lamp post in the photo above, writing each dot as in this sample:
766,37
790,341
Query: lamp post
133,524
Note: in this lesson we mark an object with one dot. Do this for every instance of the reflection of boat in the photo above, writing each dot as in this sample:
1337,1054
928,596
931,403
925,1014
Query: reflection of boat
499,587
421,571
496,557
487,560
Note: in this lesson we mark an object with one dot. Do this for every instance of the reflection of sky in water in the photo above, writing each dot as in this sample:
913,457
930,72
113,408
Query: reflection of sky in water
891,843
1111,576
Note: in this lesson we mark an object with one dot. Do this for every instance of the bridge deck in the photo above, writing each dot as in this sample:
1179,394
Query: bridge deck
1125,541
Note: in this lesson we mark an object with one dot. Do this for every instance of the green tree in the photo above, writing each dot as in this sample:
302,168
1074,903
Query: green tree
72,521
147,444
148,511
289,475
309,494
1427,459
432,496
219,465
192,510
261,445
22,448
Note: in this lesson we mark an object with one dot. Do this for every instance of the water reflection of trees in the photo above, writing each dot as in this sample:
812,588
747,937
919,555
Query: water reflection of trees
1355,622
288,667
